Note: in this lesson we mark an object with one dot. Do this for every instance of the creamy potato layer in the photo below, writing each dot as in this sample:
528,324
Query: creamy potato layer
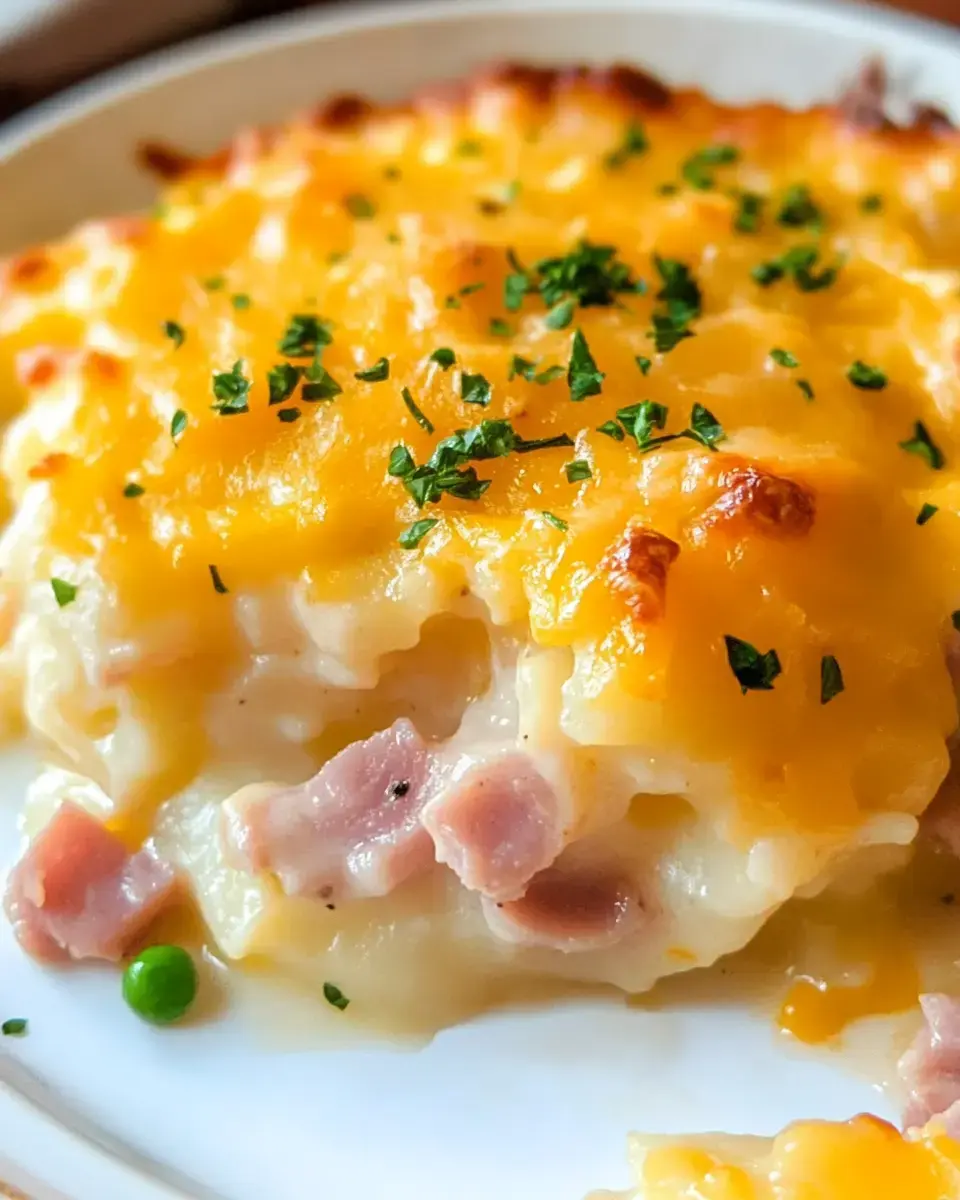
509,535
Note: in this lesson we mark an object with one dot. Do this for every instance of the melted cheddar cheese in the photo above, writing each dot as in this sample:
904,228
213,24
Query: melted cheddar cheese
228,406
861,1159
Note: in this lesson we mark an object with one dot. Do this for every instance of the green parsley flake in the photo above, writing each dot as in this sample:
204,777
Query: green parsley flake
612,430
783,358
240,301
174,332
474,389
415,533
500,328
704,427
642,420
798,209
870,379
924,447
14,1027
230,389
469,148
288,415
555,521
178,424
871,203
682,301
583,377
218,585
527,369
63,592
319,384
333,996
360,207
797,264
375,374
643,363
578,470
926,512
282,381
754,671
305,334
133,490
831,679
749,212
417,413
589,276
634,142
696,169
215,283
806,387
444,357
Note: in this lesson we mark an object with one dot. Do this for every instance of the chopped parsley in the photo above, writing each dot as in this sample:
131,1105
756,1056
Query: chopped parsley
240,301
375,374
133,490
282,381
634,142
578,470
174,332
215,283
469,148
178,424
415,533
14,1027
870,379
612,430
447,470
415,411
783,358
360,207
641,421
696,170
583,377
798,209
467,290
754,671
319,384
871,203
926,512
288,415
643,363
527,369
444,357
474,389
831,679
218,585
806,387
796,264
63,592
704,427
682,301
749,212
589,276
500,328
333,996
924,446
305,334
555,521
230,389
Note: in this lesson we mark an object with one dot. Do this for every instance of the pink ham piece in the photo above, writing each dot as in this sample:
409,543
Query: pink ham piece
570,908
79,893
497,824
930,1069
353,830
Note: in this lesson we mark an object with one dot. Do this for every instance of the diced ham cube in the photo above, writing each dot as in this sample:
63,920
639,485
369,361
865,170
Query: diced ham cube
497,824
353,830
931,1067
570,908
79,893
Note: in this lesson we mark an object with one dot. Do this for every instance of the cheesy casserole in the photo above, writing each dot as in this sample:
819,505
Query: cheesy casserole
512,534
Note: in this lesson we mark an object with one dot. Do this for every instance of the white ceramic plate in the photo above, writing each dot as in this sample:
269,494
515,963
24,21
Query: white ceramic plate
96,1106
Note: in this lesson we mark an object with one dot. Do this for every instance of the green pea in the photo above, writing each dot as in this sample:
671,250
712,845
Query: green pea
160,984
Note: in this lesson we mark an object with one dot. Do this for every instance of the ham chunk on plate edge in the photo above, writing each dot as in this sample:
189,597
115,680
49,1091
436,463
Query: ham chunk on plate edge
77,892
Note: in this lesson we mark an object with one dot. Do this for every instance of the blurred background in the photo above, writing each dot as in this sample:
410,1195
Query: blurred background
46,45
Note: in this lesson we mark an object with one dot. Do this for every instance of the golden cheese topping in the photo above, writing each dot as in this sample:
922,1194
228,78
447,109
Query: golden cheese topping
670,384
862,1159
